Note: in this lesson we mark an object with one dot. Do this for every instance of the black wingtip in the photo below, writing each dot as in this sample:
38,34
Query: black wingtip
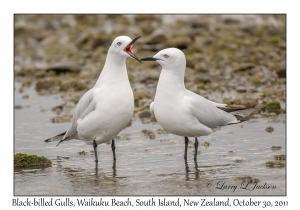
47,140
55,138
241,118
229,109
59,142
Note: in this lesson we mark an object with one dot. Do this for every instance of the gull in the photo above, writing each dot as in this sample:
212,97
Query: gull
180,111
107,108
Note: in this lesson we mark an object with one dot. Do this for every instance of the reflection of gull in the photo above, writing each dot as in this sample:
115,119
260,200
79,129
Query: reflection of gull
107,108
114,171
181,111
188,171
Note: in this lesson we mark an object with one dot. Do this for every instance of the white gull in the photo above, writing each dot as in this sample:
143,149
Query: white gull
107,108
180,111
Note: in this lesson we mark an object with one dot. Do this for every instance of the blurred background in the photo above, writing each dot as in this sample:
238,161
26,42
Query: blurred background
235,59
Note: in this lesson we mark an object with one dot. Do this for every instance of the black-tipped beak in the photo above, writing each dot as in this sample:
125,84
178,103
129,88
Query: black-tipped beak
134,39
128,49
149,59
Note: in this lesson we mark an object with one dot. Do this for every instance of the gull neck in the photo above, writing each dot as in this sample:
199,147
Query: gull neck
114,71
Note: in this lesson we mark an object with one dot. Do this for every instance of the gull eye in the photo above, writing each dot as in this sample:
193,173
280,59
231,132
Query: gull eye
166,56
119,43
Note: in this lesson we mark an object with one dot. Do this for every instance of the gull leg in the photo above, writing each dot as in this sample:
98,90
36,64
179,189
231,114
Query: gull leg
196,148
95,151
186,141
113,148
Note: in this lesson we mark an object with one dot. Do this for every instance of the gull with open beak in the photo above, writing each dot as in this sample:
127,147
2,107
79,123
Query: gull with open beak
107,108
180,111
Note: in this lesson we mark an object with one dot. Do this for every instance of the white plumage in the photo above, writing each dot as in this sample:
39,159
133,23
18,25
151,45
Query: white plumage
180,111
107,108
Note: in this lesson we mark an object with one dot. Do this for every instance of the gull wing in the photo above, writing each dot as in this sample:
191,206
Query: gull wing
225,108
85,106
58,137
207,112
239,117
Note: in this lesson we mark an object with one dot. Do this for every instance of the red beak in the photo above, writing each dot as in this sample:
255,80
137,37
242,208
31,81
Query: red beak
128,49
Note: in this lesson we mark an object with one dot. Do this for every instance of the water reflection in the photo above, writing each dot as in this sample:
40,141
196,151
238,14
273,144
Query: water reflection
89,182
189,172
114,171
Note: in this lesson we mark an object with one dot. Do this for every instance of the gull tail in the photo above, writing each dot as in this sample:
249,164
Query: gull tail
55,138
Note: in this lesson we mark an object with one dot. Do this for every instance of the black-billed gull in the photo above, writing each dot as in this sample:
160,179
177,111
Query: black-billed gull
180,111
107,108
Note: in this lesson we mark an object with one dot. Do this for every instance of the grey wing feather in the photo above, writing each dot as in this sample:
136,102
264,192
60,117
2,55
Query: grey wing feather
207,112
83,108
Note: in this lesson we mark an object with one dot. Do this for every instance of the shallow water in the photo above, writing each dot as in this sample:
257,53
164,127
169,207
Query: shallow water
147,166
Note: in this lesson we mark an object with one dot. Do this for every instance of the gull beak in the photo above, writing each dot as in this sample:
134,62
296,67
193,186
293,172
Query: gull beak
149,59
129,51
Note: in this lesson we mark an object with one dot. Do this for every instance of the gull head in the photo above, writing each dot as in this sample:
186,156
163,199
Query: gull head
121,47
170,58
